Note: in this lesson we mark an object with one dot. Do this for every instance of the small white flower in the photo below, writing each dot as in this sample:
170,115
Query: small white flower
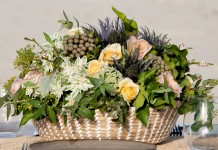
203,64
29,91
57,89
47,65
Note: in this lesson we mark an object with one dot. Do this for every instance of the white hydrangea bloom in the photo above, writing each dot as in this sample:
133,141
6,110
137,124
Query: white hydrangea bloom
74,75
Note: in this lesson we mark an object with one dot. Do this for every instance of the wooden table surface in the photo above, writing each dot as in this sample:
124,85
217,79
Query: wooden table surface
172,143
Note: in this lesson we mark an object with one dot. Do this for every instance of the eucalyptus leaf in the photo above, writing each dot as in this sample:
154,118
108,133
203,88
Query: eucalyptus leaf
48,38
29,84
26,118
44,84
8,110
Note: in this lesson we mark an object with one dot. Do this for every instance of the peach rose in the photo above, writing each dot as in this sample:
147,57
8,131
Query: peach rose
16,85
128,89
111,52
94,67
171,82
33,76
142,45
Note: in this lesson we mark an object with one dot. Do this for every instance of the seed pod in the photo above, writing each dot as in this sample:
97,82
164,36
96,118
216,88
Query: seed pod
85,39
72,56
90,35
82,53
83,48
91,40
81,41
72,36
78,50
81,45
64,42
76,41
70,41
92,45
90,48
65,52
76,37
70,44
70,48
75,46
77,55
66,47
74,51
87,44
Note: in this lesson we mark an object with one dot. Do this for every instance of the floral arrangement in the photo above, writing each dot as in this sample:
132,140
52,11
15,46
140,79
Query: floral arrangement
111,68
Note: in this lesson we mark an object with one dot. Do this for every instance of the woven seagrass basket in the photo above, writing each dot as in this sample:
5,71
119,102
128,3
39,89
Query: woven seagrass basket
158,129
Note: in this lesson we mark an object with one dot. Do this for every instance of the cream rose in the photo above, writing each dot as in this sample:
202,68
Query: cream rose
94,67
16,85
142,45
33,76
128,89
111,52
73,31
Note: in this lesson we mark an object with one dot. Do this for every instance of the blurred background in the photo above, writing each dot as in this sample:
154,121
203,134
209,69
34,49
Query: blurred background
192,22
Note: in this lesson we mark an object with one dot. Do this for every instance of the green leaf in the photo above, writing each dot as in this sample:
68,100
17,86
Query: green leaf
65,16
26,118
175,73
76,22
166,57
160,107
42,109
159,102
8,110
161,90
62,21
166,97
109,89
37,114
48,38
94,81
143,114
68,25
78,98
145,93
29,84
139,102
85,113
184,83
35,103
85,101
130,25
146,75
197,84
102,90
51,114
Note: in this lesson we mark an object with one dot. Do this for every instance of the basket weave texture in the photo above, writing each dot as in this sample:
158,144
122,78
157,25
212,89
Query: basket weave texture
158,129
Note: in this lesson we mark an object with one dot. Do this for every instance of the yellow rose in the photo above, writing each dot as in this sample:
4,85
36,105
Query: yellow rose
128,89
111,52
94,67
